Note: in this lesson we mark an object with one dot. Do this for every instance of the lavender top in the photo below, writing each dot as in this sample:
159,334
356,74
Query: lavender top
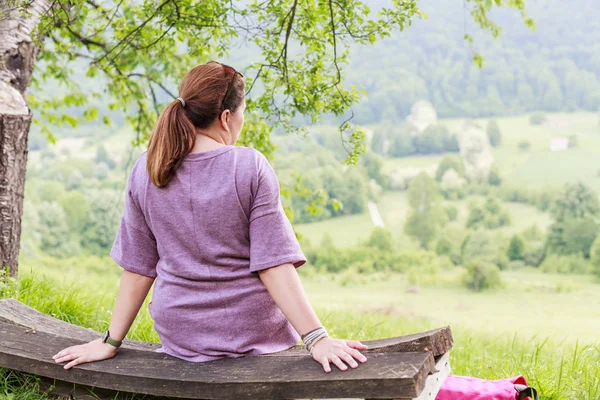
204,237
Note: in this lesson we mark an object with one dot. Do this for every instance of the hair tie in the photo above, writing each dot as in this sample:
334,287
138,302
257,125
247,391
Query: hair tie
181,100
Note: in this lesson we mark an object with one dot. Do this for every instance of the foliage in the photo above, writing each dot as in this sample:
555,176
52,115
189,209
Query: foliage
494,133
444,247
575,212
537,118
448,162
103,157
491,214
524,145
381,239
516,249
479,245
494,178
425,215
102,223
576,200
435,139
451,212
563,264
595,256
481,275
329,189
401,139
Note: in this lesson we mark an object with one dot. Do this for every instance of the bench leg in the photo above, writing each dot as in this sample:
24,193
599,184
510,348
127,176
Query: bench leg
434,382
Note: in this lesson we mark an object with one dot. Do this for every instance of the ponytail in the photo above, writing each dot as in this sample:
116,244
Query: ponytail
172,139
198,106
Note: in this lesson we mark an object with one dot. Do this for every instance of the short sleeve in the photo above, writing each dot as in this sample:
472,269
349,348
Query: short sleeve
134,248
272,239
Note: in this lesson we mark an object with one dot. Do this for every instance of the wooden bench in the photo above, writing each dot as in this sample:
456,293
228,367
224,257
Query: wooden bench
406,367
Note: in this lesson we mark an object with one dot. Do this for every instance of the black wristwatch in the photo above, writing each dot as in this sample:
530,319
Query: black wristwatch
109,340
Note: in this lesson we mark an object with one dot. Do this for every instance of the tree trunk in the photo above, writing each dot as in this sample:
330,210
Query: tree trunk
17,57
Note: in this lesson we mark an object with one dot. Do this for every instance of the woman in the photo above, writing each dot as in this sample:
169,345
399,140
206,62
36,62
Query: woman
205,218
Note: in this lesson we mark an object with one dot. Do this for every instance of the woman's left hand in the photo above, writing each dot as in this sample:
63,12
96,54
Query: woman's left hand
88,352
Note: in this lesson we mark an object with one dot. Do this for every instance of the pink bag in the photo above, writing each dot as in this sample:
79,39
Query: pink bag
467,388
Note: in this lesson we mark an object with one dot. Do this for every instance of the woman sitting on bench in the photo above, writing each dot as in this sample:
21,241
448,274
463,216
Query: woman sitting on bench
204,219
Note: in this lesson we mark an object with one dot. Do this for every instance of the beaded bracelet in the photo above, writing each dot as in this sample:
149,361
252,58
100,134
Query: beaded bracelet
312,337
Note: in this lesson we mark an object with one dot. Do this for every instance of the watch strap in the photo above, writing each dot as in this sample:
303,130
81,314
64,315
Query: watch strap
109,340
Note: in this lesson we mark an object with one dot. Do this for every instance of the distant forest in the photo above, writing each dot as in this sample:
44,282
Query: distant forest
554,68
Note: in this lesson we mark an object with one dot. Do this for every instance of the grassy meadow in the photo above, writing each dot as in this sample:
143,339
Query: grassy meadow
539,325
543,326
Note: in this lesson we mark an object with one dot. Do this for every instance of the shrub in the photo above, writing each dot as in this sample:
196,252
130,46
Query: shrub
444,247
595,256
572,264
494,177
516,249
451,212
524,145
481,275
494,134
535,253
537,118
447,163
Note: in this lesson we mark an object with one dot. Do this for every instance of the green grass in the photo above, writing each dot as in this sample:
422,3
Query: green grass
538,167
532,327
345,231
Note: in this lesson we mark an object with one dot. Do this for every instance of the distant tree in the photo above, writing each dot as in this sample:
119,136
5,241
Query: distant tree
53,229
103,157
75,206
444,246
373,165
573,141
575,212
595,256
435,139
494,178
537,118
494,133
481,275
102,171
524,145
451,212
50,191
425,214
480,244
576,200
491,214
102,222
401,141
378,142
74,180
381,239
516,249
449,161
579,235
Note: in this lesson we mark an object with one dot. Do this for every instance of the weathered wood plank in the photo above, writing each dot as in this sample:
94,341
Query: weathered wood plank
434,382
385,375
438,341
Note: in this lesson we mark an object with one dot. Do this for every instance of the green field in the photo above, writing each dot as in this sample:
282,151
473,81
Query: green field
538,167
393,207
541,326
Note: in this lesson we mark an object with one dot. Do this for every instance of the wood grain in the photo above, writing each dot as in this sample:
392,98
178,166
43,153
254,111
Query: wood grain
388,375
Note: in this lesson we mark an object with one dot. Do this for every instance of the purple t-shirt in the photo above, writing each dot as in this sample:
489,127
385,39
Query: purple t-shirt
204,237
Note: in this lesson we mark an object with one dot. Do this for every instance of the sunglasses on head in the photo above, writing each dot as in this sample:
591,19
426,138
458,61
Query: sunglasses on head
235,72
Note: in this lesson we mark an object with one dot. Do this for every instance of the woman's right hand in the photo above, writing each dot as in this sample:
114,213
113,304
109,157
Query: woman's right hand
328,350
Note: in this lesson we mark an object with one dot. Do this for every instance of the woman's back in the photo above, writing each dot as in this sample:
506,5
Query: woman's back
204,235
